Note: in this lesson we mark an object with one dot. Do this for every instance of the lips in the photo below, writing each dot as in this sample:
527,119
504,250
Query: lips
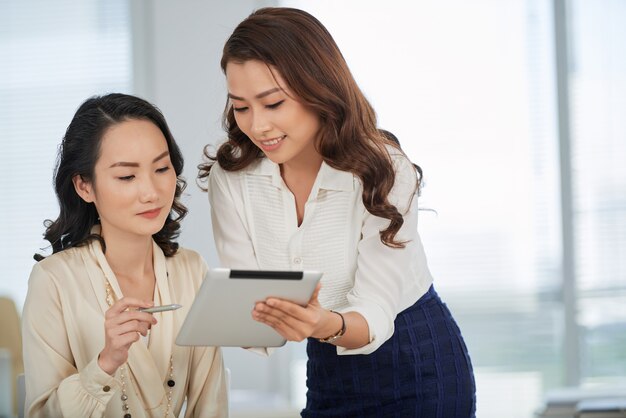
272,144
150,214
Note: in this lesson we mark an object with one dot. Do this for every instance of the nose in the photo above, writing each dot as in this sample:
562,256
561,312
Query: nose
147,190
260,124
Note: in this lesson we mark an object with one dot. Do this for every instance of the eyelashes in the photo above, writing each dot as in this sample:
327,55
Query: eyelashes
132,176
269,106
275,105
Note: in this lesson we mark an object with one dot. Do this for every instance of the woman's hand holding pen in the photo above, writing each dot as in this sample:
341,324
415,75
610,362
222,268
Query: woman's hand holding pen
295,322
122,326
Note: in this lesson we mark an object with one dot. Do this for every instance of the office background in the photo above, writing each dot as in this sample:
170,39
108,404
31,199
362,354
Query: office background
515,109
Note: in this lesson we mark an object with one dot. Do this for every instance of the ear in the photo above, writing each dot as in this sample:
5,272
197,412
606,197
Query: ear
84,189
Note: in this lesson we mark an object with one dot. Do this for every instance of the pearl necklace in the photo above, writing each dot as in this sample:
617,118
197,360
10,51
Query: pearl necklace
124,397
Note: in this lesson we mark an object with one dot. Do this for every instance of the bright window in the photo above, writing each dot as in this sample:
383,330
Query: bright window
470,90
598,109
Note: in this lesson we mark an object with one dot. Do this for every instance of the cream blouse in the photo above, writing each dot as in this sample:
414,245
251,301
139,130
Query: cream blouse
255,226
63,333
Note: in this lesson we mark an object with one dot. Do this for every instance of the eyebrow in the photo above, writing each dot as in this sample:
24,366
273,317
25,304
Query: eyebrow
258,96
128,164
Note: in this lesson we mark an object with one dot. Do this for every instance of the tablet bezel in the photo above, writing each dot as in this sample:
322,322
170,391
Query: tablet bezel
217,318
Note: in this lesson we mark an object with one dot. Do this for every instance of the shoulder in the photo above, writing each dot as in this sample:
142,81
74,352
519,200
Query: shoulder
221,183
222,180
219,175
50,276
62,262
188,263
406,181
187,259
398,157
187,256
403,167
216,170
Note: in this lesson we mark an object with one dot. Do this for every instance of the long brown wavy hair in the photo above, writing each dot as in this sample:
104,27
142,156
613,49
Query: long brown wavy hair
299,47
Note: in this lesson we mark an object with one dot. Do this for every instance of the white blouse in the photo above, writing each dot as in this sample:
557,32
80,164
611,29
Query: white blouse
255,227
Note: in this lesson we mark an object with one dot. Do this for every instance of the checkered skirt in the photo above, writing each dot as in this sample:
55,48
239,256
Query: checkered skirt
422,371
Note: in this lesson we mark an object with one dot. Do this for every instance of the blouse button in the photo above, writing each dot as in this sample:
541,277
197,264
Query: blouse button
106,388
297,260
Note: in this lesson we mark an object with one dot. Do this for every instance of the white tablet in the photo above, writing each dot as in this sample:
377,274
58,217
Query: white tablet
221,313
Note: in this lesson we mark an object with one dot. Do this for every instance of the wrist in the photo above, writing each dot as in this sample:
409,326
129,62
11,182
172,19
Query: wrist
329,324
337,334
105,365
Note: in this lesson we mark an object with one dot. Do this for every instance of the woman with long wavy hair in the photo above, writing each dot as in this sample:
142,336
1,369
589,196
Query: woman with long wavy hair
89,348
306,180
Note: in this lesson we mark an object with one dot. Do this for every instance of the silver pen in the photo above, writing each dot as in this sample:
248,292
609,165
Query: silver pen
162,308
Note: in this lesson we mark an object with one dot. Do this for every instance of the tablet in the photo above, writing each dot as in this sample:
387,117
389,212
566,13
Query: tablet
221,313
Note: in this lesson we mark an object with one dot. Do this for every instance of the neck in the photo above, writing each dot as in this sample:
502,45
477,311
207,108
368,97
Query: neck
129,257
305,167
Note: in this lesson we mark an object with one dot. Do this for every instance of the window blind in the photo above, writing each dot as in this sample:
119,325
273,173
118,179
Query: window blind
598,89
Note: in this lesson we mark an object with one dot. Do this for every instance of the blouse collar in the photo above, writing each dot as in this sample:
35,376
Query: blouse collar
328,177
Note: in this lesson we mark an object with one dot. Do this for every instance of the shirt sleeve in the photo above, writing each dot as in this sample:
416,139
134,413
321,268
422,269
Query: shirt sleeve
384,274
54,387
232,238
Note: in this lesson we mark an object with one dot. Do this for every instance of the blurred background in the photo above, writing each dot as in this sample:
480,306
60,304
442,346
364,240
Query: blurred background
514,109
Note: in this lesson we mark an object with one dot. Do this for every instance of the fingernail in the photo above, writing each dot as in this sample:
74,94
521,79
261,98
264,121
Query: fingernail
271,302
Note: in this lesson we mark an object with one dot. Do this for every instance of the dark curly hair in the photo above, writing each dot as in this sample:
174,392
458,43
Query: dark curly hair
300,48
78,153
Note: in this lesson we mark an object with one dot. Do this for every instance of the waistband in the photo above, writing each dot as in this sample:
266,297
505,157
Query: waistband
430,296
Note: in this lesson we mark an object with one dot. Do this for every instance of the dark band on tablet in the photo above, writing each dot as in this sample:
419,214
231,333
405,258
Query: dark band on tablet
255,274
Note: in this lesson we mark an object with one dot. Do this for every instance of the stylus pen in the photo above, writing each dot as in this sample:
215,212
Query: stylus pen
161,308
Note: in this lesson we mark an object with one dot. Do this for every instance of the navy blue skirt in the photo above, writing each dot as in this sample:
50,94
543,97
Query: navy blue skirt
422,371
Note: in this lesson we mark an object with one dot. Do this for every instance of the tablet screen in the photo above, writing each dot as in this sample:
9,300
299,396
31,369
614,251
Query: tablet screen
221,314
